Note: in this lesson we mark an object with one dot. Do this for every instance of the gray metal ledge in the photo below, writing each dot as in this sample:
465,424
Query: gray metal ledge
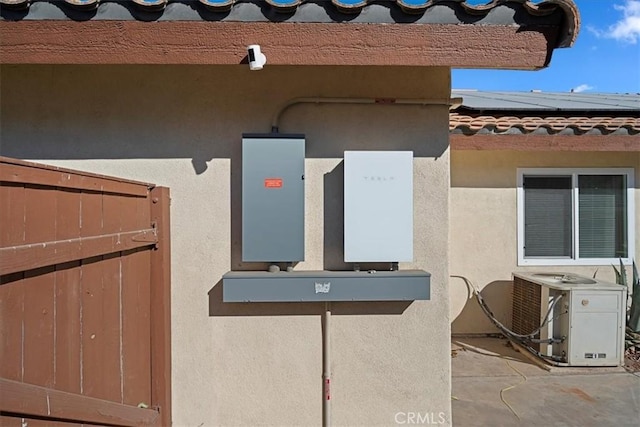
312,286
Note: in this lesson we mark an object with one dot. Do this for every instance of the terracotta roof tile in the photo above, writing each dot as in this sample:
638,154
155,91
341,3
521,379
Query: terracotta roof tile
472,124
558,13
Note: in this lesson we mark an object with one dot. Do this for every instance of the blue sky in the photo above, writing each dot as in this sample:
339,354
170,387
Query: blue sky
605,57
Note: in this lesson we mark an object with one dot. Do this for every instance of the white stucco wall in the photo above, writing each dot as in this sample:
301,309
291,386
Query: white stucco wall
484,226
181,126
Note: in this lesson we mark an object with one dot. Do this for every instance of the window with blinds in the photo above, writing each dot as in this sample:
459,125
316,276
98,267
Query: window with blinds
548,216
568,216
602,220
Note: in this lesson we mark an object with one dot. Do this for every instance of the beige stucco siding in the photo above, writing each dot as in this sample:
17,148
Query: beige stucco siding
181,126
484,226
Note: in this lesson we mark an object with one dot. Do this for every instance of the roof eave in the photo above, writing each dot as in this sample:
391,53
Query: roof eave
284,43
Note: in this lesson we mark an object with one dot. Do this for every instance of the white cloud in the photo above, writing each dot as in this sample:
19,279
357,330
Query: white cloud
627,29
581,88
596,32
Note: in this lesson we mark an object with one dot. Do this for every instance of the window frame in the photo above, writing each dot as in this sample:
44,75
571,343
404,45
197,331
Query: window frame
574,173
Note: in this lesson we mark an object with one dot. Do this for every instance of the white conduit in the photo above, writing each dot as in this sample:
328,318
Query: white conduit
326,366
377,101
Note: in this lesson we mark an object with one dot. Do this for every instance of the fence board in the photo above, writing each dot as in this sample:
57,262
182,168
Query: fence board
68,211
36,255
92,322
21,398
31,173
39,214
91,291
136,322
11,290
112,299
30,422
161,306
112,213
16,420
11,214
67,297
11,316
136,328
67,327
40,226
6,421
38,356
111,370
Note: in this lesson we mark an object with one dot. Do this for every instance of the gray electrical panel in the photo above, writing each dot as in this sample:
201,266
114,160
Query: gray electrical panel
273,197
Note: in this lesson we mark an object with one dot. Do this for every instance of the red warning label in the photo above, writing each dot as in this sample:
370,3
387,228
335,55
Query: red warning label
273,183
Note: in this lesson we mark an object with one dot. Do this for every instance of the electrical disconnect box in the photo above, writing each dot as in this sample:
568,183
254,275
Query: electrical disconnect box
273,197
378,206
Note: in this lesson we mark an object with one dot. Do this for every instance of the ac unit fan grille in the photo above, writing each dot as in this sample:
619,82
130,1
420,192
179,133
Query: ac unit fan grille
526,316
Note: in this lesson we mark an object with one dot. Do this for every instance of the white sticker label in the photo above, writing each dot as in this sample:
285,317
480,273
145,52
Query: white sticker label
323,288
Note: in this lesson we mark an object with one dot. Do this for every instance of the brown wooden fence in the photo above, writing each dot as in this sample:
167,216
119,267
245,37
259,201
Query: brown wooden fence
84,299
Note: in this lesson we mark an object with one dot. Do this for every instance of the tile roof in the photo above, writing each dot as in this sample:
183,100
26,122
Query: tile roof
470,125
540,113
558,13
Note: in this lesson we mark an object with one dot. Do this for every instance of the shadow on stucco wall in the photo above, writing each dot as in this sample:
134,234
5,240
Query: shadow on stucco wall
183,112
333,256
499,296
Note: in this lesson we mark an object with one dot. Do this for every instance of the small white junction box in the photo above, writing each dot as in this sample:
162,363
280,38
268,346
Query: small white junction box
378,206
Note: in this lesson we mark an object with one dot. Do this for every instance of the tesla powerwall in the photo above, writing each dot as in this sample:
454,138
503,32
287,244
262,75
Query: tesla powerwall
378,206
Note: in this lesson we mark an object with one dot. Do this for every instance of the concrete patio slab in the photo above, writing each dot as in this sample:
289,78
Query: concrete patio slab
483,367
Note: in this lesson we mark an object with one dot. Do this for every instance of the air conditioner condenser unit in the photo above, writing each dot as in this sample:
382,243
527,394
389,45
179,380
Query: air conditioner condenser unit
586,317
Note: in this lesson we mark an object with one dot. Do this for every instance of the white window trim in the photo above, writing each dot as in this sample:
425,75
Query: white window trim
574,172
